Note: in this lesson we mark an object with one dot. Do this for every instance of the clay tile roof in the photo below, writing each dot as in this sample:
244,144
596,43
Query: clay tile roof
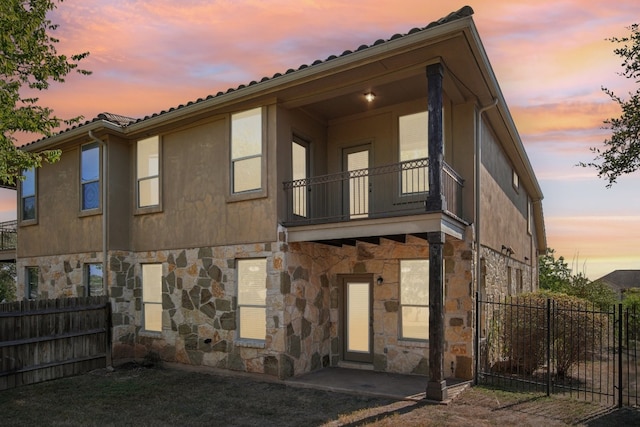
123,121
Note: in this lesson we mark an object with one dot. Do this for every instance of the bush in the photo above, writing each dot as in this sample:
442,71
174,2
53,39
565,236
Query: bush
577,329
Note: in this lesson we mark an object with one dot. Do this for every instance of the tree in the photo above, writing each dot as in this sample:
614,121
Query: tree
7,282
621,153
29,62
554,274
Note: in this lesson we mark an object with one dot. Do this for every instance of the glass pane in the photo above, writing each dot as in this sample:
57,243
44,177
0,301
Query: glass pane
32,282
29,184
415,322
90,163
91,195
247,174
358,317
414,282
358,184
253,322
413,136
299,171
153,317
149,192
148,157
246,133
29,208
94,279
152,282
252,281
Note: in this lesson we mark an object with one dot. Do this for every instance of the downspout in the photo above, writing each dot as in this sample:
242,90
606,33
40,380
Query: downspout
105,271
478,165
477,186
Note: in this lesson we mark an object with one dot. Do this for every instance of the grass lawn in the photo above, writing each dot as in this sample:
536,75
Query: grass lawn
134,395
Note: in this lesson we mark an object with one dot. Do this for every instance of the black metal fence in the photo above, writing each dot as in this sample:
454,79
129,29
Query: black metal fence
558,346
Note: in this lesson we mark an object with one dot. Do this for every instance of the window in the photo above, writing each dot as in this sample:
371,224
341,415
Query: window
32,280
246,151
28,195
90,176
414,299
148,172
529,219
509,281
252,294
152,297
414,144
515,180
93,280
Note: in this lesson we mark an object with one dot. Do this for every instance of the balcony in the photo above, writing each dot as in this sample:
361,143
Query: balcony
392,190
8,240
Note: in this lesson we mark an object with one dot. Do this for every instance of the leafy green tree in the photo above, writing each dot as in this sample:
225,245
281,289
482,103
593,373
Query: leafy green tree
621,153
7,282
29,63
555,275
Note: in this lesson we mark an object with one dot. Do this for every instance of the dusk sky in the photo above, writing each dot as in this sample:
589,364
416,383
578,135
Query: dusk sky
551,59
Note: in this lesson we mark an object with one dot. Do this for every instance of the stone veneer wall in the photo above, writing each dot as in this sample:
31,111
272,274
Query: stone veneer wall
60,276
495,272
312,312
199,301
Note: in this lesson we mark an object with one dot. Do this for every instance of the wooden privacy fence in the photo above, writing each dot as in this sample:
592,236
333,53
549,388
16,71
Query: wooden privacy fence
46,339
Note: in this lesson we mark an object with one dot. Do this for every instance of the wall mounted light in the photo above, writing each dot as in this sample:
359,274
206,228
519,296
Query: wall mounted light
379,280
369,96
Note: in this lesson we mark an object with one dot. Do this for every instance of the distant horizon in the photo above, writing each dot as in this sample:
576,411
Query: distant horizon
550,59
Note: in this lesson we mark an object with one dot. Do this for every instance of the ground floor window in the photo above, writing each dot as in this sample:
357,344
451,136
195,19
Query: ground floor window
252,294
152,297
32,274
414,299
93,280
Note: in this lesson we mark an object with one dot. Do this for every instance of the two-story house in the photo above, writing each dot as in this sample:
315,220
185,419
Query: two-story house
344,213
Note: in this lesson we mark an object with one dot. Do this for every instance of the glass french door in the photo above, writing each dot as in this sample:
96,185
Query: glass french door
356,161
357,318
300,171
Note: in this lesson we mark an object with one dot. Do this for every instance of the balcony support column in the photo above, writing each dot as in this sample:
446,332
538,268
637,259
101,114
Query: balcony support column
436,387
436,200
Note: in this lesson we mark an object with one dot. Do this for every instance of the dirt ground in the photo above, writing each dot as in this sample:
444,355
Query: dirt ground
152,396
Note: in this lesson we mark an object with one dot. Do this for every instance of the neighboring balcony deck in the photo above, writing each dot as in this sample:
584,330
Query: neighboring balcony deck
8,241
374,201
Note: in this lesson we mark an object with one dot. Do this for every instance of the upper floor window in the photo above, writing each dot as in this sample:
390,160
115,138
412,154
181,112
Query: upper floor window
252,294
414,298
246,151
515,180
93,280
148,172
28,195
32,274
414,144
152,297
90,176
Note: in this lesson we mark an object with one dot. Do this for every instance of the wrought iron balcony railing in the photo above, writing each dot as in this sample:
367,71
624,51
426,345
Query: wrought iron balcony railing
384,191
8,235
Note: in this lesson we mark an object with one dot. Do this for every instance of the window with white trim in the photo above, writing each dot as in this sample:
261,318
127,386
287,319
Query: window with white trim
246,151
252,295
93,279
414,299
413,145
28,195
90,176
152,297
148,172
32,280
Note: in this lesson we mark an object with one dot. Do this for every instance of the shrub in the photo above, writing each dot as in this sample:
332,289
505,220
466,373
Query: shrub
577,329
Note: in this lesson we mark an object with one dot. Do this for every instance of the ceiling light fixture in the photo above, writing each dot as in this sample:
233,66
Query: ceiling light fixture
369,96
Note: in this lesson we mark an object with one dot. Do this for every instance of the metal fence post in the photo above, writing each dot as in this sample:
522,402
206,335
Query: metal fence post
477,340
620,355
548,346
